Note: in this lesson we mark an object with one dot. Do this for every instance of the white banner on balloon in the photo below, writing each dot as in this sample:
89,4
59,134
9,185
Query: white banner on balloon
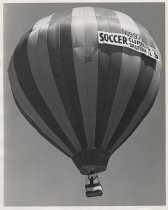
132,42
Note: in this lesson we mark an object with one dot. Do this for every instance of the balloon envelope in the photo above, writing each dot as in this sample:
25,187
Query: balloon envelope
85,96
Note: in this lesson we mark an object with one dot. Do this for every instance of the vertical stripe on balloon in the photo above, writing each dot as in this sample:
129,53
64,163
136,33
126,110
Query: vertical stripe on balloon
69,89
26,80
109,65
30,114
56,62
78,45
143,109
91,67
42,73
140,90
130,66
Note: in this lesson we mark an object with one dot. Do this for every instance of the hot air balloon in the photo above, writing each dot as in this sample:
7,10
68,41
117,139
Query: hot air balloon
85,79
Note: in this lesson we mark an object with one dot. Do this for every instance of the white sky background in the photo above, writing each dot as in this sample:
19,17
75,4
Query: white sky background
135,171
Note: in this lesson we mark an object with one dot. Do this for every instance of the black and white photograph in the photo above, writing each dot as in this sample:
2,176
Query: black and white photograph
84,104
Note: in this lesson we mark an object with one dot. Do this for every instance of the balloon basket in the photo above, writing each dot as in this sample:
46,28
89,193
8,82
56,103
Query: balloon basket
93,188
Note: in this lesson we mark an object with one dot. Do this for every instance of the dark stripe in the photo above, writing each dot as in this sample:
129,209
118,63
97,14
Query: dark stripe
141,88
62,64
22,61
145,36
109,66
53,34
38,129
139,122
31,91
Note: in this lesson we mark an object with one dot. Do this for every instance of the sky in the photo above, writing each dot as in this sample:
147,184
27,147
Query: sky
37,174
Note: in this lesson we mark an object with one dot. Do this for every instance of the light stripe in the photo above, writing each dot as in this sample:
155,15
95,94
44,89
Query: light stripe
91,66
130,67
62,65
91,189
145,36
138,94
31,91
141,87
78,45
28,108
109,65
143,107
42,73
42,21
66,81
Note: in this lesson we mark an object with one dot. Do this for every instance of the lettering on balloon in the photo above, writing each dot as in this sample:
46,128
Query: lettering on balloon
129,40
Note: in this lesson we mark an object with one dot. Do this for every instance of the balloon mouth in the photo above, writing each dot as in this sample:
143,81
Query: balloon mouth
85,170
91,160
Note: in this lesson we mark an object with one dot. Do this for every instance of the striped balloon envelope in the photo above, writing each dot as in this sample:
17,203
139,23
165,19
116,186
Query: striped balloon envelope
85,79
